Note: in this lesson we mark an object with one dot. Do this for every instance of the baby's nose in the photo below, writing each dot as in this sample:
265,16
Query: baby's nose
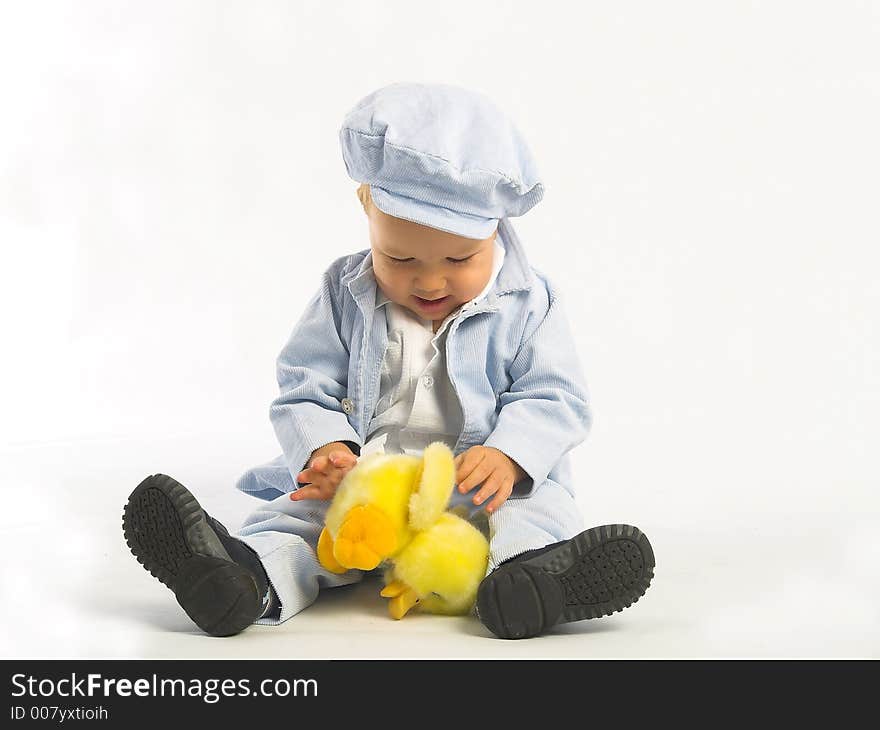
428,288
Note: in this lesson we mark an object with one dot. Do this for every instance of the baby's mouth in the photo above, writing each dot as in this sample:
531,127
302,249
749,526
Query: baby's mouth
431,303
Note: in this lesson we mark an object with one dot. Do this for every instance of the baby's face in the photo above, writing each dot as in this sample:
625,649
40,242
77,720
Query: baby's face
413,263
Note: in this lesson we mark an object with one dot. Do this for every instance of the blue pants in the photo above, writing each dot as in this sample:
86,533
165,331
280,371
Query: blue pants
285,533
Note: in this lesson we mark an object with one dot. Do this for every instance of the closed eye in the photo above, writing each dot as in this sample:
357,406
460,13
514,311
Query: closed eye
450,260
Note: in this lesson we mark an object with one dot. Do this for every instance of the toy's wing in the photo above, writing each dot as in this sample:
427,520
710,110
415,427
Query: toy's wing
434,488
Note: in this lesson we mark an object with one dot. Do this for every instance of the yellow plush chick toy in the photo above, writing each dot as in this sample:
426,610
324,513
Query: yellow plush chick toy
391,509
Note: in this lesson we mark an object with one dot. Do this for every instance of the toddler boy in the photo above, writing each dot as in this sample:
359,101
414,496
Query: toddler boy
440,331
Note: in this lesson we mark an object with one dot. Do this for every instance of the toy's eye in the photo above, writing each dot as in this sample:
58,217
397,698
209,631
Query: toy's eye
434,593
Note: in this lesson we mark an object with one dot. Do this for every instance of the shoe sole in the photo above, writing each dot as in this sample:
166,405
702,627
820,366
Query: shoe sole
596,573
166,529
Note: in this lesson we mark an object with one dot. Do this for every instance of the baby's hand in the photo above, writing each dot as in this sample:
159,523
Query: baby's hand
324,474
492,468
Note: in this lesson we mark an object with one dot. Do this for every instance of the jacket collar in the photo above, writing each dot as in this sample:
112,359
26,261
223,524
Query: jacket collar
515,274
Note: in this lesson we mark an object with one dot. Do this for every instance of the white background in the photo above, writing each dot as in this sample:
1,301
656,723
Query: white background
171,188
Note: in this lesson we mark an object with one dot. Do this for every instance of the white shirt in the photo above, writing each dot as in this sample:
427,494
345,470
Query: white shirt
417,403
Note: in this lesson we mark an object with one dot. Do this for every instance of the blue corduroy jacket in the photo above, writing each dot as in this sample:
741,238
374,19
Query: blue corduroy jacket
511,360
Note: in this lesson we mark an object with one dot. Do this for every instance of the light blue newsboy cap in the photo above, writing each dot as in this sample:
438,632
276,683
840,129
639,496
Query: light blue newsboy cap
441,156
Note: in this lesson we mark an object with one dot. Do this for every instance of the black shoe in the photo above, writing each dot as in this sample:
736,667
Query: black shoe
217,579
600,571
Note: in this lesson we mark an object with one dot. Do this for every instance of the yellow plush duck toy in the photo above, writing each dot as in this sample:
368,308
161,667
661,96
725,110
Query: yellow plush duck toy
391,508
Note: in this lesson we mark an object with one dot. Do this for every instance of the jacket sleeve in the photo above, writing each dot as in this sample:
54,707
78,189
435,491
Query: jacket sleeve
546,411
312,373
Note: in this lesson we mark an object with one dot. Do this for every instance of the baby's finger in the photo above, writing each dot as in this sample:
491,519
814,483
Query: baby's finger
491,486
464,485
476,476
313,491
318,469
307,476
342,458
500,498
466,462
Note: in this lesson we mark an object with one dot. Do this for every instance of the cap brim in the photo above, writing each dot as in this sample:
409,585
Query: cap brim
444,219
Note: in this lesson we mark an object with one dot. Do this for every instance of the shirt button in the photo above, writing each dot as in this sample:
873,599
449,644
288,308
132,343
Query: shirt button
347,405
428,381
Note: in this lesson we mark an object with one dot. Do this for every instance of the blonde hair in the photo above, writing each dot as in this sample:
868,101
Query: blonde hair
363,193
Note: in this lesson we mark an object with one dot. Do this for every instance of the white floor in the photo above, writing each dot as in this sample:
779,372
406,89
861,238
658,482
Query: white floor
70,588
